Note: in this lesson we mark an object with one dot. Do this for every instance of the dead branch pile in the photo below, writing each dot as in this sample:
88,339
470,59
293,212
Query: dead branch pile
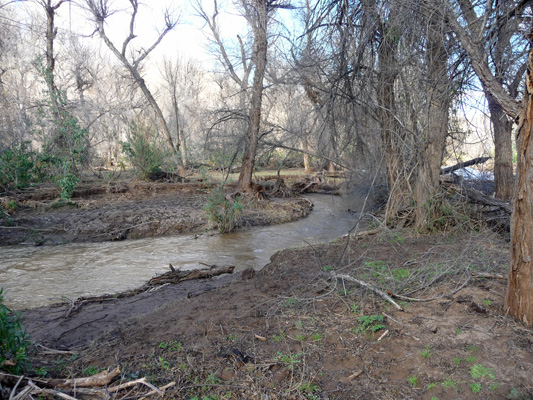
314,184
98,386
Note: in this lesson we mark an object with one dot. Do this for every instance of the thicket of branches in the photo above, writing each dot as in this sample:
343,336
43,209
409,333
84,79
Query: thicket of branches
371,88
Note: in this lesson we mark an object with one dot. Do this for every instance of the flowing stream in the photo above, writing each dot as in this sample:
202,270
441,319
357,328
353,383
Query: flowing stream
36,276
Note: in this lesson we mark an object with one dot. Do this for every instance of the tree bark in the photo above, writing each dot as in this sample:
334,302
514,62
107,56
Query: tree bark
503,150
260,56
305,147
392,134
519,300
431,145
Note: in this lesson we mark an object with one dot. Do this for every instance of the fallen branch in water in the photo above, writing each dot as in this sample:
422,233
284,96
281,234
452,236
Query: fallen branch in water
368,286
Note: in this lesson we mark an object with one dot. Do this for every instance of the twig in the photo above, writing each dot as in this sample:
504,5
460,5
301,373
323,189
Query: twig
50,391
15,388
53,351
160,392
368,286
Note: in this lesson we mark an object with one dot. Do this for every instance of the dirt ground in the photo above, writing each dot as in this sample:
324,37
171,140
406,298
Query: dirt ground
124,210
290,331
294,332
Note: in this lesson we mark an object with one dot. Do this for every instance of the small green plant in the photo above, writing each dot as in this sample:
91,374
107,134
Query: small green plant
473,348
172,345
300,338
457,361
299,324
401,274
327,268
90,371
413,380
449,383
232,338
223,214
426,353
290,302
14,343
212,379
475,387
458,331
471,359
480,371
354,308
290,360
371,323
487,302
164,364
431,386
316,337
515,394
42,371
280,337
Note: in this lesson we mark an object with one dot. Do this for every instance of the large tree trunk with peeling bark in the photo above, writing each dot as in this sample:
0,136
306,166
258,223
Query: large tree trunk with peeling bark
519,300
260,56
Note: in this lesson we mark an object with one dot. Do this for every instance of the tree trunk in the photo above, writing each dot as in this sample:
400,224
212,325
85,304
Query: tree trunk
519,300
392,133
179,132
503,150
305,147
431,144
260,55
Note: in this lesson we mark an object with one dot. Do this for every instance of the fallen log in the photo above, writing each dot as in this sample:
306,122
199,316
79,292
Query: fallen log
177,275
476,196
474,161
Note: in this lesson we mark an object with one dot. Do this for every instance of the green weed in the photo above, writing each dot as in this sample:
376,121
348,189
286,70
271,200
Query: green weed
90,371
290,360
413,380
480,371
426,353
222,213
370,323
475,387
172,345
14,343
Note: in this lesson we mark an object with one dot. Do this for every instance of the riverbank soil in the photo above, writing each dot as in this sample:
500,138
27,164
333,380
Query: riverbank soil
293,331
125,209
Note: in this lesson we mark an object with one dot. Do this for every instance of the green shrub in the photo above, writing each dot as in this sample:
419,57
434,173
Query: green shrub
16,167
143,150
14,343
222,213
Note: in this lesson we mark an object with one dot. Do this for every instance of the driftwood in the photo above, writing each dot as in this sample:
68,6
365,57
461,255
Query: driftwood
176,276
474,161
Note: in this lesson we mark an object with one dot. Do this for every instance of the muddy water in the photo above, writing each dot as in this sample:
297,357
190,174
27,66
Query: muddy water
34,276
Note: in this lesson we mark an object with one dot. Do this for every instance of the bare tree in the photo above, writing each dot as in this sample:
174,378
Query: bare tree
495,33
101,10
519,299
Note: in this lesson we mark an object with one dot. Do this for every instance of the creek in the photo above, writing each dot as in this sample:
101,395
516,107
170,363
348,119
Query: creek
37,276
